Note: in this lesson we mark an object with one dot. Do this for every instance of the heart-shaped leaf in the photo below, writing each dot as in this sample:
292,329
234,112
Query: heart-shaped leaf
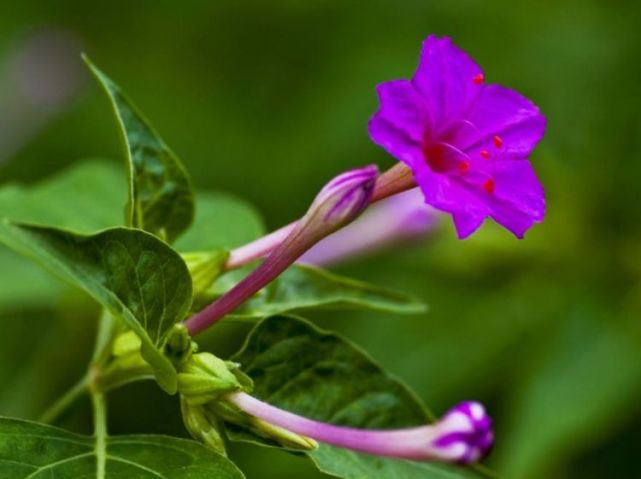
161,200
29,450
133,274
320,375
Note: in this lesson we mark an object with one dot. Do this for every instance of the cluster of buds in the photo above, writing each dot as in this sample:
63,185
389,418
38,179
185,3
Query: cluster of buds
214,391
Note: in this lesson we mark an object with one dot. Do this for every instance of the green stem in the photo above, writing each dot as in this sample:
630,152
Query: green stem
100,430
71,396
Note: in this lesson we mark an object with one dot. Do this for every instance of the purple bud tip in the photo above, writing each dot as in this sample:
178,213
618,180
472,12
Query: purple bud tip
345,197
465,433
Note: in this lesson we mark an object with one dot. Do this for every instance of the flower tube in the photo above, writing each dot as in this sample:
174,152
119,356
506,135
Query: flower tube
402,217
463,435
340,202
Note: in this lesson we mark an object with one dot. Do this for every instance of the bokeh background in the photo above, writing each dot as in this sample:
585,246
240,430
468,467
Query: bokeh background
267,100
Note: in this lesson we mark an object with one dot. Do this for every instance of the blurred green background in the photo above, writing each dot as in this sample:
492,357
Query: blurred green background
267,100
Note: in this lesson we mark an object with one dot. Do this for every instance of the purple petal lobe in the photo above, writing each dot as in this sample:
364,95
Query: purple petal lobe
466,223
400,123
467,434
466,142
508,115
447,78
518,200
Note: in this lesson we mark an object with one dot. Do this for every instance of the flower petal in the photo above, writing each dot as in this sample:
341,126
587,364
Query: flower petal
453,196
507,115
400,123
518,200
466,224
447,78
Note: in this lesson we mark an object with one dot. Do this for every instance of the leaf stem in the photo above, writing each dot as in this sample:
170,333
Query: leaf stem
71,396
100,429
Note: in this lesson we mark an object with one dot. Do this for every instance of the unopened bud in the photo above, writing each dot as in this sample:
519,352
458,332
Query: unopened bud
340,201
205,268
206,378
179,346
202,426
337,204
126,343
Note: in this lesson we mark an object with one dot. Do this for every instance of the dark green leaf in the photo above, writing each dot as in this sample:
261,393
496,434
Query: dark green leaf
133,274
161,200
31,450
320,375
304,287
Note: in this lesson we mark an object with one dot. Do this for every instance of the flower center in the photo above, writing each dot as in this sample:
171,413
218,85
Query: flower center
437,157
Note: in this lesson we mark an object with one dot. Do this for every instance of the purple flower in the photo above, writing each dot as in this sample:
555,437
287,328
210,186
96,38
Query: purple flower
466,142
464,434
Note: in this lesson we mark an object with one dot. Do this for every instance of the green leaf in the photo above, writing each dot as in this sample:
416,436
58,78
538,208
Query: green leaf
304,287
86,197
320,375
222,222
133,274
29,450
161,200
97,184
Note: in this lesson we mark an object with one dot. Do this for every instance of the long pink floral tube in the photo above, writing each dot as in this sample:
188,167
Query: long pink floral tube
463,435
397,219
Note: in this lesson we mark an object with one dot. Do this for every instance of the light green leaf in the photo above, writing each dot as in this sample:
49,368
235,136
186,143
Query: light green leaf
29,450
86,197
133,274
222,222
98,186
161,200
304,287
320,375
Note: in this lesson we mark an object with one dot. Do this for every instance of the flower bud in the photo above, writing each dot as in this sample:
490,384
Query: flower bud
340,201
126,343
204,378
401,218
337,204
464,435
202,426
204,268
179,346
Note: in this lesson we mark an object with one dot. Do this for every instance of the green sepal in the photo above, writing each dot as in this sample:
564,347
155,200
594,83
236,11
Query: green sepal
203,426
204,268
205,378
